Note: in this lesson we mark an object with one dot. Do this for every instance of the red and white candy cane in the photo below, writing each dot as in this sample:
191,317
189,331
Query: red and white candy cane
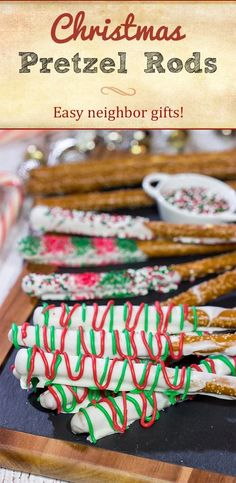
10,210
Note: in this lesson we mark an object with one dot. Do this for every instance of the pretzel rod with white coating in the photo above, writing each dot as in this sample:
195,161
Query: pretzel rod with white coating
84,286
150,318
204,292
63,399
117,283
75,222
68,398
124,344
115,375
74,251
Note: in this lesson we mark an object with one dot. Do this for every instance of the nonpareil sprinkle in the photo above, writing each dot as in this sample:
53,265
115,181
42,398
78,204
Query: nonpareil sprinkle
196,200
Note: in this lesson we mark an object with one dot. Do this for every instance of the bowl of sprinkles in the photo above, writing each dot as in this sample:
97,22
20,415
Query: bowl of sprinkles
191,198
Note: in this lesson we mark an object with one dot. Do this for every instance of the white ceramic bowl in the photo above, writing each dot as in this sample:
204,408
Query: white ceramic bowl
172,214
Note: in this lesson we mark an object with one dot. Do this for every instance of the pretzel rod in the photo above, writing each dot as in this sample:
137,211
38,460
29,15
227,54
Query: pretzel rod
133,282
186,231
83,286
204,292
205,266
63,399
12,205
74,251
115,414
126,171
56,219
43,218
115,375
124,344
100,200
68,399
150,318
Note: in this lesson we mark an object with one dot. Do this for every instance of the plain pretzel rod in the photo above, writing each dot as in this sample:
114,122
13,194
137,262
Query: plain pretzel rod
127,159
205,266
100,200
126,171
75,222
74,251
125,345
154,318
161,229
206,291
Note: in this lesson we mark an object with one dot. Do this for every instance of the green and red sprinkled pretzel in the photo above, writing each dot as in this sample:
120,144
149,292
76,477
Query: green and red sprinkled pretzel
83,286
62,250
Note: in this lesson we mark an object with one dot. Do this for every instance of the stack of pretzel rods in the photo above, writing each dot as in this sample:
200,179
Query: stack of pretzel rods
58,220
131,282
111,377
126,171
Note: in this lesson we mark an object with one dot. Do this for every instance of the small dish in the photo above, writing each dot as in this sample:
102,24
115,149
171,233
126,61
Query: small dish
173,214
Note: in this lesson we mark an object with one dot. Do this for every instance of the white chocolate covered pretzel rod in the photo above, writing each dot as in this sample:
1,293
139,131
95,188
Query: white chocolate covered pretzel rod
115,375
56,219
63,399
68,399
150,318
46,219
124,344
